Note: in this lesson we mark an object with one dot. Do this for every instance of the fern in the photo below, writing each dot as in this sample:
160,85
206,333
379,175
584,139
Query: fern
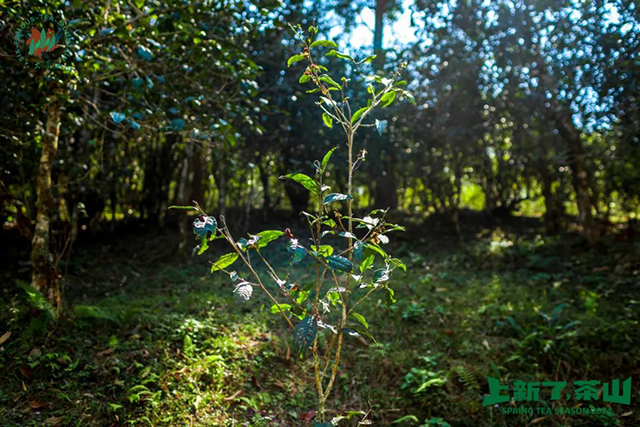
467,378
93,312
37,300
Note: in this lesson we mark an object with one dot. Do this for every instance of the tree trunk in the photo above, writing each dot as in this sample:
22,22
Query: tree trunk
221,181
381,8
267,207
181,199
45,277
580,176
552,214
386,195
199,168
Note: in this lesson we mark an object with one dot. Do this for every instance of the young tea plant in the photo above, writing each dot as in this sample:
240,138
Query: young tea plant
324,313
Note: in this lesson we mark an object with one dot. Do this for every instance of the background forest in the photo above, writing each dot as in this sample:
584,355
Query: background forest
516,172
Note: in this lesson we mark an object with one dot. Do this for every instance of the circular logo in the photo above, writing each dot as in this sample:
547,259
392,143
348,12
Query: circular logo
42,42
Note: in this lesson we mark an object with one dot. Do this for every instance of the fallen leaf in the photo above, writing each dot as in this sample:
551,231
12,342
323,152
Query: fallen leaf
233,397
35,404
307,416
34,354
26,371
54,420
627,414
5,337
486,344
106,352
538,420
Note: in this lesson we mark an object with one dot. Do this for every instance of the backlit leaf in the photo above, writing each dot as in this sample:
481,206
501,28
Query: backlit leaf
224,261
294,59
324,43
306,181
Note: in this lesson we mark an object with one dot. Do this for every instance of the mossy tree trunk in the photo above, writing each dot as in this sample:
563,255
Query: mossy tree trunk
45,277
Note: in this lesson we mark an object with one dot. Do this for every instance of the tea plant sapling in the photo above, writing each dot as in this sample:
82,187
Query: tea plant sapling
324,312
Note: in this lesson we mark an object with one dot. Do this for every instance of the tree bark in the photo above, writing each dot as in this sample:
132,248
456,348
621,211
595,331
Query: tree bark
381,8
181,199
45,277
579,175
199,172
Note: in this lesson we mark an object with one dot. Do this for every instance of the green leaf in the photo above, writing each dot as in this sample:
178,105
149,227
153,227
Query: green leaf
324,43
304,78
37,300
325,78
224,261
407,95
205,226
367,263
361,319
328,121
336,197
368,59
340,263
323,251
144,53
358,113
406,418
325,159
202,247
184,208
387,98
306,181
297,252
381,275
390,297
358,250
377,249
304,334
294,59
284,307
340,55
267,237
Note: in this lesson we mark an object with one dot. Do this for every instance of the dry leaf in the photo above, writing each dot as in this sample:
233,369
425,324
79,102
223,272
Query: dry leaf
5,337
35,404
106,352
54,420
307,416
26,371
233,397
538,420
486,344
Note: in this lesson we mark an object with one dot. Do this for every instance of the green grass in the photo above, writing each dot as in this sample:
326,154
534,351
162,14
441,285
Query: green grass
156,341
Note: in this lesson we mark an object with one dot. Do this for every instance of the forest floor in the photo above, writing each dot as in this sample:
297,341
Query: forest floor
156,340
